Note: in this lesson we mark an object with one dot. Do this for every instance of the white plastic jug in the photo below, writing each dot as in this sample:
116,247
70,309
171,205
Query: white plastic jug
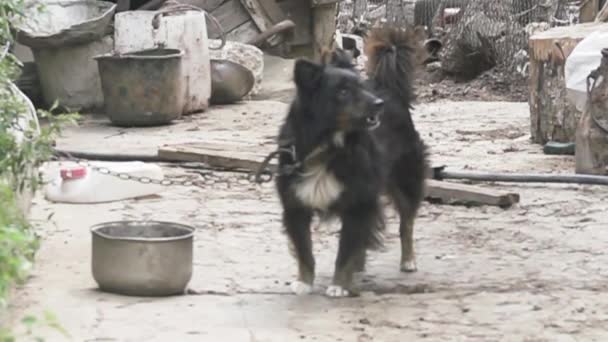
184,30
74,183
585,58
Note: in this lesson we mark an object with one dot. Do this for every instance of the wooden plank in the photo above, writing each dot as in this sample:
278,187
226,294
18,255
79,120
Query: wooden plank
272,10
230,15
257,14
243,33
455,193
259,17
318,3
229,156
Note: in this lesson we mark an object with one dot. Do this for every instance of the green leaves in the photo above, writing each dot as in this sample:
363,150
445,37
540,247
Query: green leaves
23,147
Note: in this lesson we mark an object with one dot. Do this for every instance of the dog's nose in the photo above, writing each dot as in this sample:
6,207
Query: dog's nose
378,104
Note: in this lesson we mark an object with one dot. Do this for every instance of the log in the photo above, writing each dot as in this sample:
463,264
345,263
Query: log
552,117
456,193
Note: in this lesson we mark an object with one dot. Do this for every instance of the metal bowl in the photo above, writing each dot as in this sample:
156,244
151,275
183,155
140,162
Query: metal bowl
230,81
142,258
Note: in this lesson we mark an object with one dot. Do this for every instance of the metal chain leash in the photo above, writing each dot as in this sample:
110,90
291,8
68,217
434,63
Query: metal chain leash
264,174
128,177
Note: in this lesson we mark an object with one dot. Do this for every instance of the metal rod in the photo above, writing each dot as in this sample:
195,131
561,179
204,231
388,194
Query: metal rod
523,177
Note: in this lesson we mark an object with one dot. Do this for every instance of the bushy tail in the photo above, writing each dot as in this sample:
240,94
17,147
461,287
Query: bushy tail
390,61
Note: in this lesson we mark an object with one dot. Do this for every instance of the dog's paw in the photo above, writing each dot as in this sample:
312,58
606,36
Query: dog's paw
336,291
301,288
409,266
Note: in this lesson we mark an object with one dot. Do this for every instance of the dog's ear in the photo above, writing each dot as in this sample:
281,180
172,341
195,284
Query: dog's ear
307,75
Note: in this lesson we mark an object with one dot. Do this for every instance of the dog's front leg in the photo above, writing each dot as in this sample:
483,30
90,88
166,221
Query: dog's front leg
357,229
297,223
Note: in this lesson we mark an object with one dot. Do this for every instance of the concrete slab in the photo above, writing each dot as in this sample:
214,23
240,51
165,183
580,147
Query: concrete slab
534,272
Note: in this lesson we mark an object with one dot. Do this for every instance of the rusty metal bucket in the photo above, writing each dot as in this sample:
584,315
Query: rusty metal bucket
143,88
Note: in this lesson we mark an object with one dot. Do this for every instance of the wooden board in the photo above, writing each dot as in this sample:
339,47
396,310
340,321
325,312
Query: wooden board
456,193
218,155
244,33
207,5
231,14
552,117
249,158
260,16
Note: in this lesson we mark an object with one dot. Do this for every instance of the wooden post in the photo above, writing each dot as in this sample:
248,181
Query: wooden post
552,117
324,25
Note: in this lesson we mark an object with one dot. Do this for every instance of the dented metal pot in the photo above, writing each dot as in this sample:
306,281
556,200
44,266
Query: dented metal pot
142,258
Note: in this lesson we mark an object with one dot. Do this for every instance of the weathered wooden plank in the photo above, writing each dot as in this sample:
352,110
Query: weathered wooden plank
260,17
243,33
229,156
257,14
230,15
272,10
317,3
455,193
207,5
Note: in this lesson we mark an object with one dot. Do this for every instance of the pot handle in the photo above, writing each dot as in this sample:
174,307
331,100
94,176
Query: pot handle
174,7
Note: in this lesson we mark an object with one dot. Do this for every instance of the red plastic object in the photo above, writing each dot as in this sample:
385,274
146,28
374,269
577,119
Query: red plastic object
73,172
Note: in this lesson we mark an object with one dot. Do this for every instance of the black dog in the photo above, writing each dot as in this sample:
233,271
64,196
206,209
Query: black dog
351,141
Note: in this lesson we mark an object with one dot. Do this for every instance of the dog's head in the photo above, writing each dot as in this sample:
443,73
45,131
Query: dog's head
334,95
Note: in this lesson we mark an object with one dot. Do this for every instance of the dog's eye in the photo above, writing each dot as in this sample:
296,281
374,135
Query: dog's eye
343,93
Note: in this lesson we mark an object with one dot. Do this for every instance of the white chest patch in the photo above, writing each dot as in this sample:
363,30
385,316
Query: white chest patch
318,188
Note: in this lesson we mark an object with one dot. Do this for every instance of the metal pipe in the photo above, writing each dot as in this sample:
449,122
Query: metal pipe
522,177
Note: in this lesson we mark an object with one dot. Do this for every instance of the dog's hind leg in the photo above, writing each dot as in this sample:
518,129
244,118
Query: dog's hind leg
297,223
358,228
407,213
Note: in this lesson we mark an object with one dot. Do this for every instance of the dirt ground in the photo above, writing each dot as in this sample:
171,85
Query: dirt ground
534,272
492,85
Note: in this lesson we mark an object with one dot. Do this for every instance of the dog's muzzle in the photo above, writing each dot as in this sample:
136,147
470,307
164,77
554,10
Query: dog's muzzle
373,120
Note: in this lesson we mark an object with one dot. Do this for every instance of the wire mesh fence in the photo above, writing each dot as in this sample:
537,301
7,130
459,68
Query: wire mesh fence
476,34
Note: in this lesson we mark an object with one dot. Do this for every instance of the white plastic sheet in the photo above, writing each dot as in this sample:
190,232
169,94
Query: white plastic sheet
585,58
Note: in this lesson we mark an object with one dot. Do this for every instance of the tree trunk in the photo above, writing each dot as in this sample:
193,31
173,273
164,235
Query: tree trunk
552,116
